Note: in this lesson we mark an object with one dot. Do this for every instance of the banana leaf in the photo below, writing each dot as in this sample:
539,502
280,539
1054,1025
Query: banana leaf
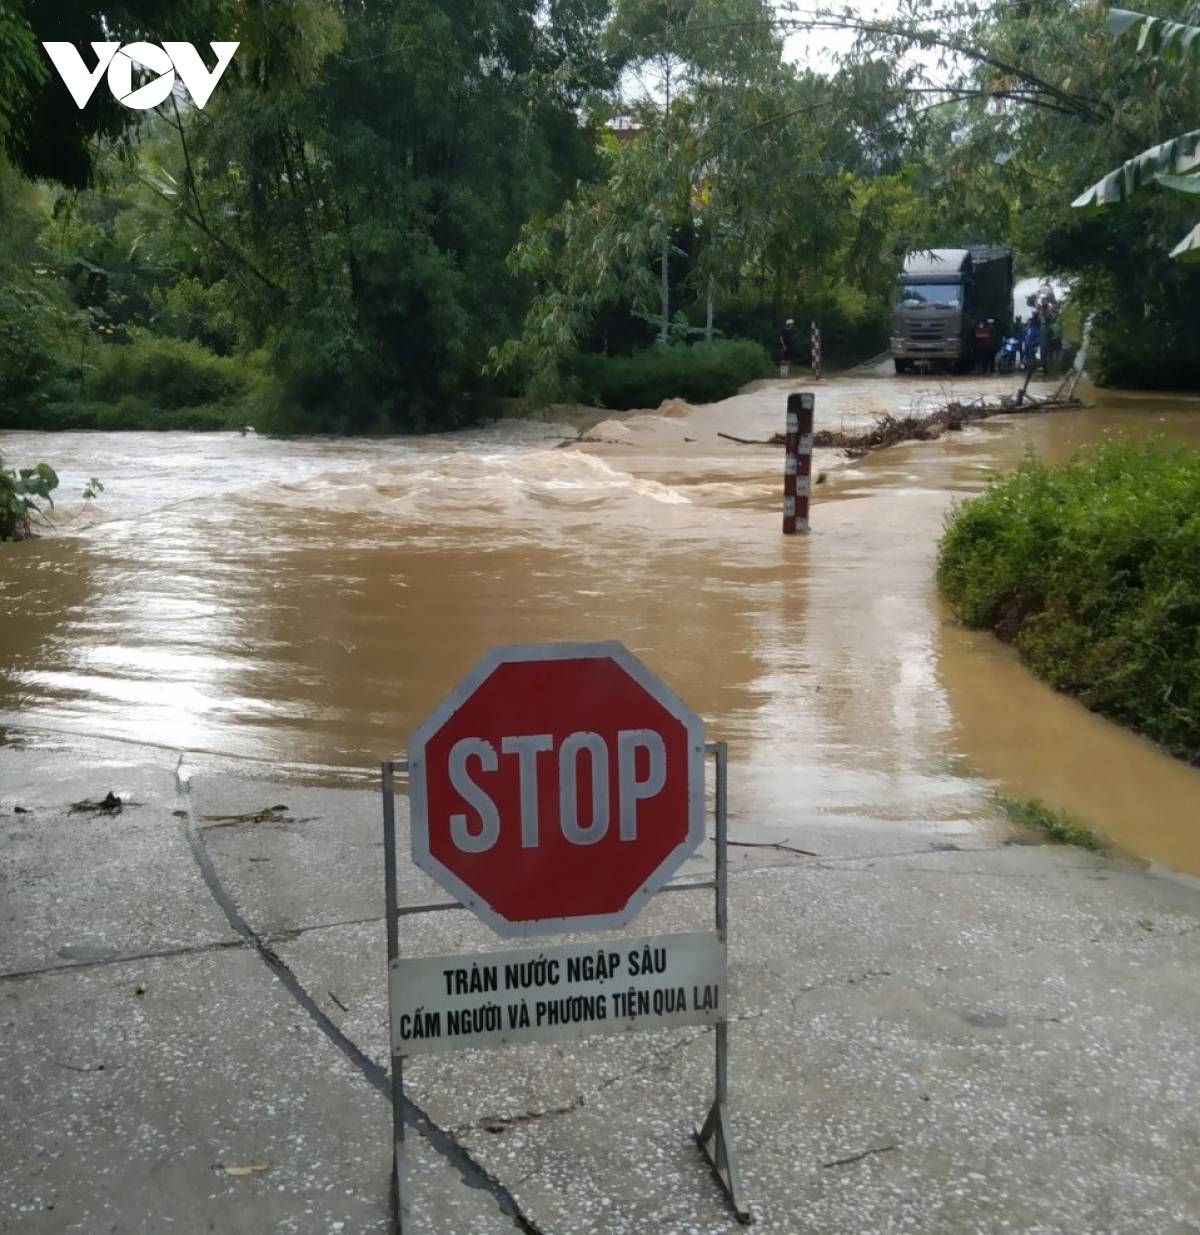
1188,249
1171,164
1175,157
1181,184
1169,40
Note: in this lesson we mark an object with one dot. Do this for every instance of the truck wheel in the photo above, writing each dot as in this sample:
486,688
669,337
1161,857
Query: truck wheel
904,366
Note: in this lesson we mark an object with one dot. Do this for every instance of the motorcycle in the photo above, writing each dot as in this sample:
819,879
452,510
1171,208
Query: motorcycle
1009,354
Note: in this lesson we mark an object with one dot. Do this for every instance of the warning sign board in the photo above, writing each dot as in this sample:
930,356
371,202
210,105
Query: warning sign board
483,999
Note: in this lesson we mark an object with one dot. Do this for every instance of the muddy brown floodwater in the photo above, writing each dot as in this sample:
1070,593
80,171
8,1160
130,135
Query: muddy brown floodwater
304,604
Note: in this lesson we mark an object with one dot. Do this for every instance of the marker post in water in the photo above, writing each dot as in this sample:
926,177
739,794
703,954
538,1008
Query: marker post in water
797,465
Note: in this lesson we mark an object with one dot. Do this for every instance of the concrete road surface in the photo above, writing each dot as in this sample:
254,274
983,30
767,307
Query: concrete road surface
931,1032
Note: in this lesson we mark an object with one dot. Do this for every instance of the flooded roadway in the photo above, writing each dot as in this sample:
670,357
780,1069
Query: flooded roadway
304,604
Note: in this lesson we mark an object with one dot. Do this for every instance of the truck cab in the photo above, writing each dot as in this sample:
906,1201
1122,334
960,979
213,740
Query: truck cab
940,296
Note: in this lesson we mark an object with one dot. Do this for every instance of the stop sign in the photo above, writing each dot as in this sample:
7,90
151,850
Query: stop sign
557,787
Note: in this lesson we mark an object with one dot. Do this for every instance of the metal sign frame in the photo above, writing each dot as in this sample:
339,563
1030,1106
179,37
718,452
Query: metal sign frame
714,1136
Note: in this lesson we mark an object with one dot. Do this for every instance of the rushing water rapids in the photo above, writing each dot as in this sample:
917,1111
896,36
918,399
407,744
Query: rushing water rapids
306,603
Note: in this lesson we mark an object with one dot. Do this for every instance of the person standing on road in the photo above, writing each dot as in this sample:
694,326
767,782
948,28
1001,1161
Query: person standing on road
981,342
1032,340
787,346
1052,340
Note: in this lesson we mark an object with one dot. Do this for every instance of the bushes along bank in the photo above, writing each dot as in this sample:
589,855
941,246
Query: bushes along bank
1091,568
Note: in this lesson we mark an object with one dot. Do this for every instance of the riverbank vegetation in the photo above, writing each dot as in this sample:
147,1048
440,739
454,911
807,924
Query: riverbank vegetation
1091,569
27,495
701,373
23,494
1049,822
396,218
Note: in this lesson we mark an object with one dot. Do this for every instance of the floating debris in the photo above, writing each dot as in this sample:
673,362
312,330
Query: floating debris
891,430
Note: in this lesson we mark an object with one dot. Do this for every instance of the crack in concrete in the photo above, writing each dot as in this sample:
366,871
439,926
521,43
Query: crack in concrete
664,1057
289,934
498,1124
657,1060
744,1018
843,980
125,958
876,859
472,1173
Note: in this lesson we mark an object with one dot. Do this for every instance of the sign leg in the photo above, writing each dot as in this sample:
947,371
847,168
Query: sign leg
399,1188
715,1138
393,951
397,1227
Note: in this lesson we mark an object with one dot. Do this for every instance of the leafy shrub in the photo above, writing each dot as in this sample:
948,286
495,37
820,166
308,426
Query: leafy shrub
191,309
22,491
25,360
25,495
1091,568
151,383
164,373
700,373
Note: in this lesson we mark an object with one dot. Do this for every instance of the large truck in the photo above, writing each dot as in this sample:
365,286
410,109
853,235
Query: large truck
941,295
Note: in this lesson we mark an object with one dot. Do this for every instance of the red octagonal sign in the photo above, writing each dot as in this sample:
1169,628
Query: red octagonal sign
557,787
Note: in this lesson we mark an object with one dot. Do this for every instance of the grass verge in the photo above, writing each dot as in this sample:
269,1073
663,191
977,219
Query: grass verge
1091,569
1055,825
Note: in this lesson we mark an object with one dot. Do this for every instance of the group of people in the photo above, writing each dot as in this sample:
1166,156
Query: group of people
1035,341
1041,337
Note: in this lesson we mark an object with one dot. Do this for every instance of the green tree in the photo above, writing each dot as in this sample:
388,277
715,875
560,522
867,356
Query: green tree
39,326
700,50
741,187
44,133
372,200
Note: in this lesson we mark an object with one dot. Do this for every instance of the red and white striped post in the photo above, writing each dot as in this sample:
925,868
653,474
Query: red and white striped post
816,351
797,464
